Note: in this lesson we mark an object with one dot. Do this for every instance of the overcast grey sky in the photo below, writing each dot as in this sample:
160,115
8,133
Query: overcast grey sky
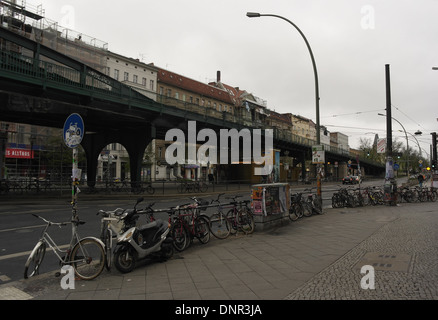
352,40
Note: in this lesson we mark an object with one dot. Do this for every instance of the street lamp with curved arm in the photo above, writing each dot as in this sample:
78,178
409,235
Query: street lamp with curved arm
315,72
416,140
407,143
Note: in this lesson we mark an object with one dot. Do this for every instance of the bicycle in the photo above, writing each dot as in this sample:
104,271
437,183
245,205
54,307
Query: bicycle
343,198
240,217
109,228
140,189
219,225
85,255
406,194
189,225
432,194
184,187
199,186
4,186
314,202
296,209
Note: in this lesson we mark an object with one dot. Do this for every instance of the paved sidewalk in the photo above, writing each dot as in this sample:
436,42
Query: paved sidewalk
319,257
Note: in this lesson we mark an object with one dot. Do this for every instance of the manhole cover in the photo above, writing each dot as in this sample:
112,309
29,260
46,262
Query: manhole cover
386,261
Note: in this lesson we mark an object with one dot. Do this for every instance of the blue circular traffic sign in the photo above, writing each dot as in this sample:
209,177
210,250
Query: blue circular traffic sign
73,130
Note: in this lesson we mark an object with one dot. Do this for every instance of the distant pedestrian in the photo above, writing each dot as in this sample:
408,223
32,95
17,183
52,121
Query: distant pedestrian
420,180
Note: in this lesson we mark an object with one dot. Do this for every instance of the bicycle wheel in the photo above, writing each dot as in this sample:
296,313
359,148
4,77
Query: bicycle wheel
219,225
179,235
106,238
293,212
203,187
202,231
33,263
88,258
422,196
307,209
378,196
366,200
150,189
246,220
232,219
433,196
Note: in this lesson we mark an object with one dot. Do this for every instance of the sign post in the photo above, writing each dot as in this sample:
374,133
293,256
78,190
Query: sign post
73,133
318,158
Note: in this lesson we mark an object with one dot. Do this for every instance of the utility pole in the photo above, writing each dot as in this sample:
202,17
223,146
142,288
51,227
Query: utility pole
434,151
390,186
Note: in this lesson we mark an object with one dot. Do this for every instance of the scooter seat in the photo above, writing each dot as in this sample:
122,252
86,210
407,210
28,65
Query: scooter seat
150,225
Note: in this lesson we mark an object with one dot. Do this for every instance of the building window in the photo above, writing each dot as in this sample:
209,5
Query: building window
176,95
126,76
161,90
197,101
143,82
169,93
116,74
135,78
152,84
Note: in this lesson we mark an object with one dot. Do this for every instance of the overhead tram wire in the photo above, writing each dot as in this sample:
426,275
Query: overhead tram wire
352,113
398,109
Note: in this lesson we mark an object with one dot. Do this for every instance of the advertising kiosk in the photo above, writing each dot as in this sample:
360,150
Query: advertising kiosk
270,203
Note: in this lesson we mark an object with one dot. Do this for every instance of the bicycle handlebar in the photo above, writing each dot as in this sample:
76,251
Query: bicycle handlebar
52,223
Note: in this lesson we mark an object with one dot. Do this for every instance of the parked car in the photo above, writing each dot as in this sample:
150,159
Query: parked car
349,180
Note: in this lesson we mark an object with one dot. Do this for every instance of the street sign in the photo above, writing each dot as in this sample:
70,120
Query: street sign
396,166
73,130
381,145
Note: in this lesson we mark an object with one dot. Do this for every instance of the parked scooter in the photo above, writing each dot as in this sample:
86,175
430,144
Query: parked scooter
151,240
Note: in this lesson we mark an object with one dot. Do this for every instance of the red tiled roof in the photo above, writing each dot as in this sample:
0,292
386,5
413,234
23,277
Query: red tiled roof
285,117
179,81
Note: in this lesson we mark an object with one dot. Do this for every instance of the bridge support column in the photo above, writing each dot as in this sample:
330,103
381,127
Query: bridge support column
135,143
93,145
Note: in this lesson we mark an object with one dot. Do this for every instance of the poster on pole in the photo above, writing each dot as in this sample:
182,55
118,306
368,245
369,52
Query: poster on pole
318,154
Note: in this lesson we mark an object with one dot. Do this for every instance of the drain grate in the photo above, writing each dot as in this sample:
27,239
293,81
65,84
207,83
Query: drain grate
386,261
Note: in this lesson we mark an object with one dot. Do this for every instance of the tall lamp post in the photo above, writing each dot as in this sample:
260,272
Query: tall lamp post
315,72
407,143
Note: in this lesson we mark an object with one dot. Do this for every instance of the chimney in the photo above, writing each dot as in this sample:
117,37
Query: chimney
218,76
